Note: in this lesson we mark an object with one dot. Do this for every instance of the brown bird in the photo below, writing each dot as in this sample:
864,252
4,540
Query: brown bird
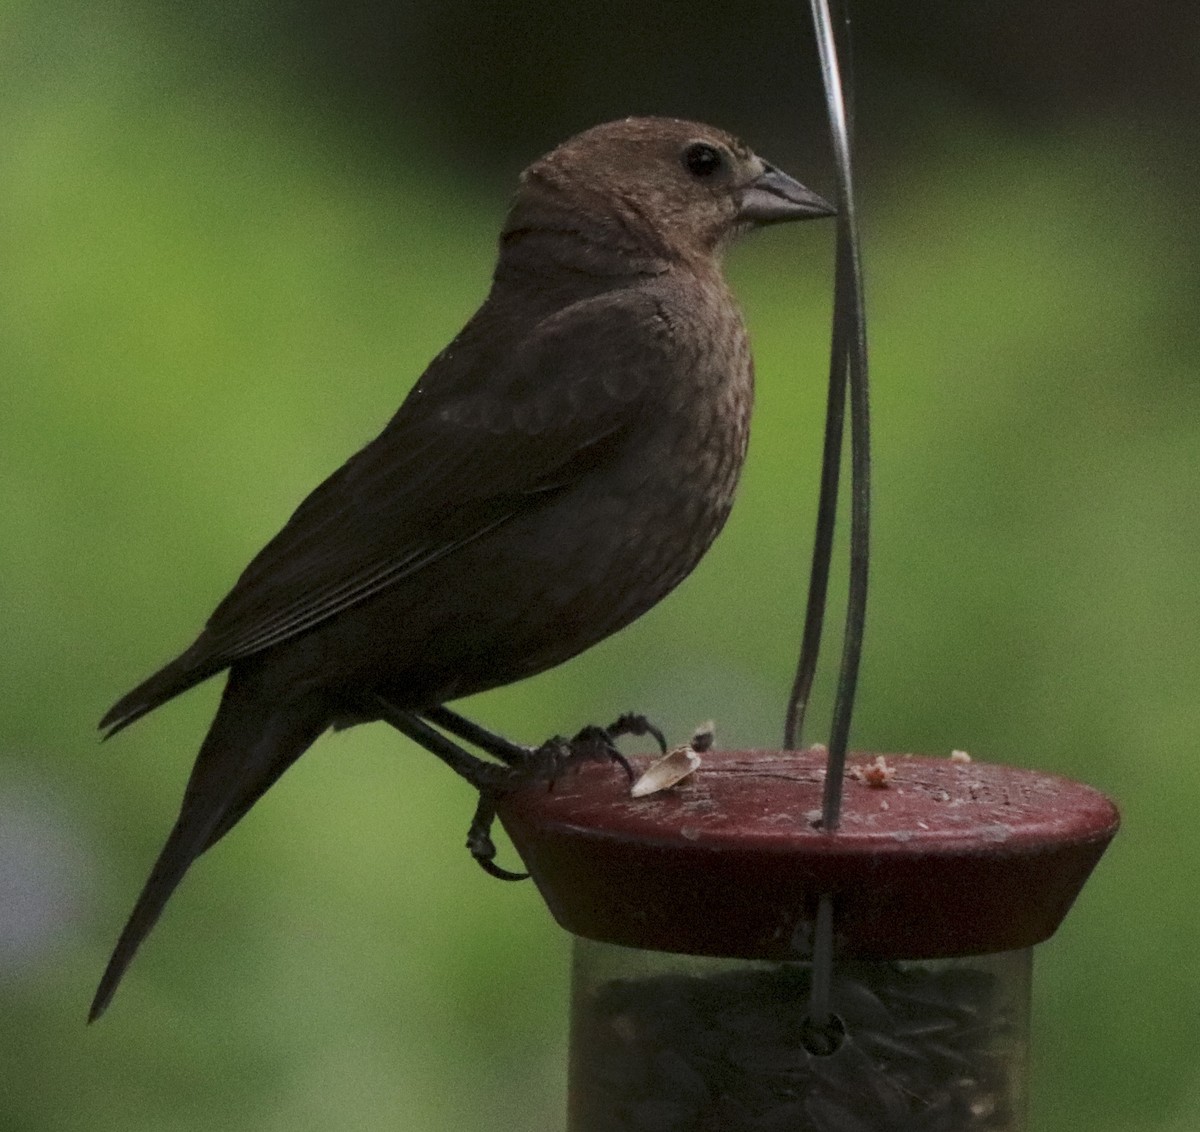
557,470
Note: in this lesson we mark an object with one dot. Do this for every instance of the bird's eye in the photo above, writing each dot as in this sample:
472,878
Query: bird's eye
702,159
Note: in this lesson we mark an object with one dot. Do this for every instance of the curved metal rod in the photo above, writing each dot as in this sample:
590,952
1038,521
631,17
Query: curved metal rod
848,365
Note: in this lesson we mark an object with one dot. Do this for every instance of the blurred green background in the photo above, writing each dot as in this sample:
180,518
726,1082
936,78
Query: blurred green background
231,236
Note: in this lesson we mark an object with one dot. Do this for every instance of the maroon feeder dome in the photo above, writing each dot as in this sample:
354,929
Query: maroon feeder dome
933,857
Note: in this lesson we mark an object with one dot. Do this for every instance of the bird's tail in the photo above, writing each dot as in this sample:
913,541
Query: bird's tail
252,741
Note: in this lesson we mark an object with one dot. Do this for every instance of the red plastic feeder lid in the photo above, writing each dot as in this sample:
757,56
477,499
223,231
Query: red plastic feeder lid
946,858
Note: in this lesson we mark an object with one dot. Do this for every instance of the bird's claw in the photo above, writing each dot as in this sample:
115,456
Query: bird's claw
633,723
548,763
594,742
479,839
556,755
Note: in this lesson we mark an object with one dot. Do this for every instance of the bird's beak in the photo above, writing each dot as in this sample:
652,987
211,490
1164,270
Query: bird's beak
773,197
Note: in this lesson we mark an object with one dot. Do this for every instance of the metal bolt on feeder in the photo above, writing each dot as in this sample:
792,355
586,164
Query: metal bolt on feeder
695,912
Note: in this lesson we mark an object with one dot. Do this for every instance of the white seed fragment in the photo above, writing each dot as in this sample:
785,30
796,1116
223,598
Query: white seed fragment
665,772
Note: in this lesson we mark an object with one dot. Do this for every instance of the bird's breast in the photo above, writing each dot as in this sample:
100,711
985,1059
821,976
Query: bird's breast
657,507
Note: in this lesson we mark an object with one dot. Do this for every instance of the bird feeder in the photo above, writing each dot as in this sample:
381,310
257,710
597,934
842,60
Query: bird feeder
695,909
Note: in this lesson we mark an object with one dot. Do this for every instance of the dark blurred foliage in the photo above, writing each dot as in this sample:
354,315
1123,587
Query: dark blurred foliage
494,83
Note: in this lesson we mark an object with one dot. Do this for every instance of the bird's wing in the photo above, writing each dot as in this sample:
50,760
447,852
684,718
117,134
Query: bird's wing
479,440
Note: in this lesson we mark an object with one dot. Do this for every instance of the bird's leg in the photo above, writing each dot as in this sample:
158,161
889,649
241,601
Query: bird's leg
488,778
478,772
513,754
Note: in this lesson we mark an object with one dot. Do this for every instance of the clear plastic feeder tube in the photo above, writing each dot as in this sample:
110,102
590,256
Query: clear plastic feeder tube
662,1042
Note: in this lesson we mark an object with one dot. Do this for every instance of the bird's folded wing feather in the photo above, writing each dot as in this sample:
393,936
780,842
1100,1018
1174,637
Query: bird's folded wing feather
483,437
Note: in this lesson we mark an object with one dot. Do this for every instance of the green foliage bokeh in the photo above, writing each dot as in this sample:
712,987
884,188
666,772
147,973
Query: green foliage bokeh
209,300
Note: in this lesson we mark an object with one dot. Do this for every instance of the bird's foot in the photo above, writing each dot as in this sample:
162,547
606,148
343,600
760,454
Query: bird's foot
548,763
557,755
518,766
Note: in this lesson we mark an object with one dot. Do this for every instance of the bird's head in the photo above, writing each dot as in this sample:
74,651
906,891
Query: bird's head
657,187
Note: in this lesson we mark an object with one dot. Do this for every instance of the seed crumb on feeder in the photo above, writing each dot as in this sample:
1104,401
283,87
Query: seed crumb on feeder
676,765
959,757
876,774
703,737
